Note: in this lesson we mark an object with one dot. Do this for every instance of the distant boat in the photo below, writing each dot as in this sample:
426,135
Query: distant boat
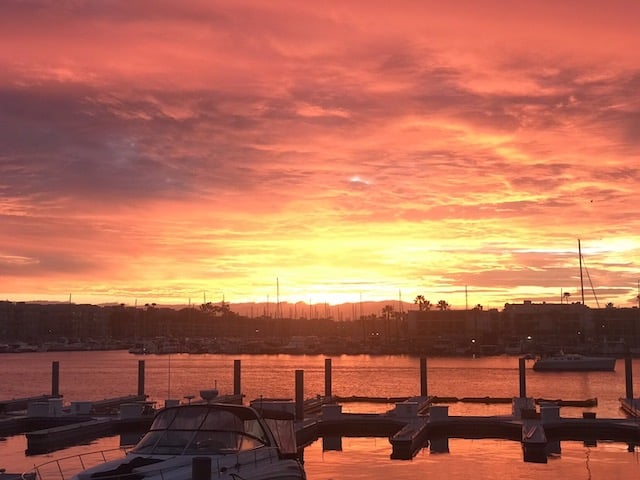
574,362
144,348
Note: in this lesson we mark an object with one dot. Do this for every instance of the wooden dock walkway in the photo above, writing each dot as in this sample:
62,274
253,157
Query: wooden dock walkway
112,405
18,404
589,402
410,425
631,406
410,430
41,441
10,476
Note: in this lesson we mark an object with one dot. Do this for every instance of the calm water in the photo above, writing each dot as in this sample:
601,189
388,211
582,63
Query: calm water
97,375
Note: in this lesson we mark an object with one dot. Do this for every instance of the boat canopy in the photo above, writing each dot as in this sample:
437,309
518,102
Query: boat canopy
204,430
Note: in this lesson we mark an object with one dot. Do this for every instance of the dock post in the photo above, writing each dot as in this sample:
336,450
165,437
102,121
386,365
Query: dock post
201,468
237,387
550,413
423,377
55,379
331,443
299,394
327,377
628,375
140,377
523,377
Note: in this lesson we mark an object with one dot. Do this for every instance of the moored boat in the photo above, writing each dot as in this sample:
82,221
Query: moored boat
234,440
574,362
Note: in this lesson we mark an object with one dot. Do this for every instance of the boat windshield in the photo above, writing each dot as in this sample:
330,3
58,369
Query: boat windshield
202,430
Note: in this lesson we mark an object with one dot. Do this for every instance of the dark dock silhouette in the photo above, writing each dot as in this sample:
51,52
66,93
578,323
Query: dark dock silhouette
412,424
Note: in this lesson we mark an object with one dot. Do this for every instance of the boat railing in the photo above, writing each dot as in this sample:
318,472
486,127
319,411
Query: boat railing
66,467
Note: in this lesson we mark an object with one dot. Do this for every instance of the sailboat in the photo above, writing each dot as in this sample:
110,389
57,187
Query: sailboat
573,362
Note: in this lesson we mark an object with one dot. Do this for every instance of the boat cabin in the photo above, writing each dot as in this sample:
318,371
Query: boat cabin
208,429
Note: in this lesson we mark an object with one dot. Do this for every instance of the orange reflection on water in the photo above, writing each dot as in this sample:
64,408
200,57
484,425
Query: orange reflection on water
487,459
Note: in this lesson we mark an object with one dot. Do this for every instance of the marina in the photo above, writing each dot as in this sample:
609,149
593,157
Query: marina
331,416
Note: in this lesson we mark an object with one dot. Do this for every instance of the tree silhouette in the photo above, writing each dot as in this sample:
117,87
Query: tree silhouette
423,304
443,305
207,307
223,309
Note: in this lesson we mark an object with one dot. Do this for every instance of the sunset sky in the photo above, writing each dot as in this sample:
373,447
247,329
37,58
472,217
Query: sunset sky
161,150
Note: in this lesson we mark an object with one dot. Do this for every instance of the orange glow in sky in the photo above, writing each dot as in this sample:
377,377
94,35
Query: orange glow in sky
153,151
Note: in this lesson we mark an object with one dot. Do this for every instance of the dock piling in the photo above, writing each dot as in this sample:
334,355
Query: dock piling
140,377
327,377
55,379
522,406
299,394
534,440
549,413
423,377
438,413
237,386
628,375
523,377
439,445
331,443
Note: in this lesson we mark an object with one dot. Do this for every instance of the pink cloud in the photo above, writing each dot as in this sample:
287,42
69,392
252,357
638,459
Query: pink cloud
222,140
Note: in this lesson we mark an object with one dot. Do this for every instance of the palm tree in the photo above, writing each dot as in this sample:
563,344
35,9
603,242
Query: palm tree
423,304
419,300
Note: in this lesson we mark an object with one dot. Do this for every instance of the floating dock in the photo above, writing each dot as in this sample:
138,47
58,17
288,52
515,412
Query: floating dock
409,431
10,476
412,424
631,406
110,406
41,441
18,404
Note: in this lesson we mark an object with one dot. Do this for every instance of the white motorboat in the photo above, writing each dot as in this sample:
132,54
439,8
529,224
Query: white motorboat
235,440
574,362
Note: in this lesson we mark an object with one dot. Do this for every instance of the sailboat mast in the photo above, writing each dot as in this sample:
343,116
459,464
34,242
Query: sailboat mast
581,279
466,298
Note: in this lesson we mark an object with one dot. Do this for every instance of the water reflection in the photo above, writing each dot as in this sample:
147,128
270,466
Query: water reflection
452,458
455,459
380,376
439,445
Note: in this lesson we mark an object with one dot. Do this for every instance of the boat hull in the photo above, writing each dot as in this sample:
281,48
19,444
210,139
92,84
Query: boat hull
575,364
181,468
